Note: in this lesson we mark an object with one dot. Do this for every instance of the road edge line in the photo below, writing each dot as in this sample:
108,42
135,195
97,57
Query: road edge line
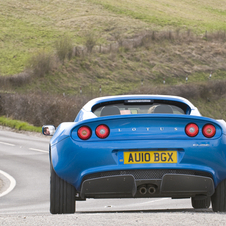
12,183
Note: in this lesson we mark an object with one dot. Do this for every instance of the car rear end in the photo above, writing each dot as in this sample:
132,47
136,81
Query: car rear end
142,156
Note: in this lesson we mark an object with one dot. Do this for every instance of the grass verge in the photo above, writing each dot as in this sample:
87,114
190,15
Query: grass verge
19,125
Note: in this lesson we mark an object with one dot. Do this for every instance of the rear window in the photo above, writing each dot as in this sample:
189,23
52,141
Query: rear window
128,107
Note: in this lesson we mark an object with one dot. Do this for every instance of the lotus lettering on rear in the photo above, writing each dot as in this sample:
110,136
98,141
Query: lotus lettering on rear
201,145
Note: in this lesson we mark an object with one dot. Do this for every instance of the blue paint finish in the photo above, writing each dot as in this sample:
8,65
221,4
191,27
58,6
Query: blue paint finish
73,158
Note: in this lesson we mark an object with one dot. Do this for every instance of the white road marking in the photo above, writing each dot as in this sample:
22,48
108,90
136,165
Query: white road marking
12,183
34,149
143,203
7,144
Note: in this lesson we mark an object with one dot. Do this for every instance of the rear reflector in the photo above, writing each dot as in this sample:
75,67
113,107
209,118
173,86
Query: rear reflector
102,131
84,132
209,130
192,130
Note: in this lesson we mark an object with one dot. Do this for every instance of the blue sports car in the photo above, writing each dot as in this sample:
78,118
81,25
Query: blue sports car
138,146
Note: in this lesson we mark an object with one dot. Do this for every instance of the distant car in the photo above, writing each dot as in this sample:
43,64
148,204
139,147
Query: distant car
138,146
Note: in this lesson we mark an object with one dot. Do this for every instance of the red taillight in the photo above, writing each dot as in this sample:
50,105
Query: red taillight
209,130
84,132
102,131
192,130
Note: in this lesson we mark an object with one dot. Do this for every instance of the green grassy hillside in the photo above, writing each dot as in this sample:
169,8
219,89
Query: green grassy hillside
199,15
28,26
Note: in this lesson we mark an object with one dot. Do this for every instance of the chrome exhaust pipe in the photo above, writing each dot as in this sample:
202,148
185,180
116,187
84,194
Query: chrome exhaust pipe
143,190
151,190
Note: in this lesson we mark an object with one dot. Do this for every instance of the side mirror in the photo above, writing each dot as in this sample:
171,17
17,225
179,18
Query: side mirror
48,130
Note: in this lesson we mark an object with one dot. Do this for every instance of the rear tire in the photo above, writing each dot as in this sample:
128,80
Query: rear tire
200,202
219,198
62,195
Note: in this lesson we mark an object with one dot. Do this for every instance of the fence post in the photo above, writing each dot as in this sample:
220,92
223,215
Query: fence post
100,90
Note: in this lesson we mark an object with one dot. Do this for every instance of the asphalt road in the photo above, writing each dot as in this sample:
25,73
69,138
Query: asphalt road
24,159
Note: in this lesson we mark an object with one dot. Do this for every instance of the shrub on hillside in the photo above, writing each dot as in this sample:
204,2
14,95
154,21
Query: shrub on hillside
64,48
19,79
41,63
90,40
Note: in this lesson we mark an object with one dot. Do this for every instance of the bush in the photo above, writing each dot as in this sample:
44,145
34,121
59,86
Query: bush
41,63
90,41
64,48
19,79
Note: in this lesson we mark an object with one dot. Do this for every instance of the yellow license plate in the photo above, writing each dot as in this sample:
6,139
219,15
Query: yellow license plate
150,157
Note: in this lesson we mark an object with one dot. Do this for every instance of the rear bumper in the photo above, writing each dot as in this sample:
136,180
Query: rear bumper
125,186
